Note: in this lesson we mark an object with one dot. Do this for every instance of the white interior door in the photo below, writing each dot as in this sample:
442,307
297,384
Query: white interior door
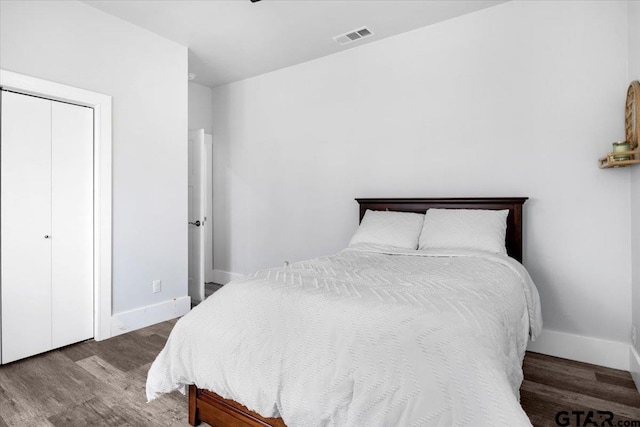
197,205
25,225
72,223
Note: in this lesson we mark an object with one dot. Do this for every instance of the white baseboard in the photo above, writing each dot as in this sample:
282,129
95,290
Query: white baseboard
223,277
150,315
597,351
634,366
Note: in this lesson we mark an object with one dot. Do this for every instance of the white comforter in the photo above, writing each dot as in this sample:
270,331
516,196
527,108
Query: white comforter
364,338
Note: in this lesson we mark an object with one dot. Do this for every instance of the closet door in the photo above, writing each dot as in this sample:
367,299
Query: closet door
72,223
25,225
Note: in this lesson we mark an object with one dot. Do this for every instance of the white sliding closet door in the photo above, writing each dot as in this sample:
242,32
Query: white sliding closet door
25,221
72,223
46,225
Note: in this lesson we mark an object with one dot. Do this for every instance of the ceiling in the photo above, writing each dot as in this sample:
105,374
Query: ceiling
235,39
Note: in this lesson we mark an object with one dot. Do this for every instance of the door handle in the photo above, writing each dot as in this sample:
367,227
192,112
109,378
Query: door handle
197,223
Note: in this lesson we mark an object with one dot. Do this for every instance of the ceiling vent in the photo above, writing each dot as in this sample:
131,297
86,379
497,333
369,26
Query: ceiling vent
353,36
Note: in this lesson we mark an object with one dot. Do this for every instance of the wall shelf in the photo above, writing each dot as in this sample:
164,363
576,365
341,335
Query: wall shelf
610,162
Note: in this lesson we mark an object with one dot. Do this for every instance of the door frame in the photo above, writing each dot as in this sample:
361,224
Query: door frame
199,295
208,231
102,182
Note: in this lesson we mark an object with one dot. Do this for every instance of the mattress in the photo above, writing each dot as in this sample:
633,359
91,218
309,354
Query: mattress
370,336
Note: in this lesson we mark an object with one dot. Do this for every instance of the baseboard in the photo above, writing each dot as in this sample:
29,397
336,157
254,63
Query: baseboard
150,315
223,277
634,366
597,351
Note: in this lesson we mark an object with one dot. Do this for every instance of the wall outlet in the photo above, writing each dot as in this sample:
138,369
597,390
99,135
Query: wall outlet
633,335
157,286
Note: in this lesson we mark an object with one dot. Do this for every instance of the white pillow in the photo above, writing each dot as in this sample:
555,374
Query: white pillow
399,229
477,229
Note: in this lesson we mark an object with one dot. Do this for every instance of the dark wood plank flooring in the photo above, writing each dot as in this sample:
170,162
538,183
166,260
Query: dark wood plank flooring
552,385
90,384
102,384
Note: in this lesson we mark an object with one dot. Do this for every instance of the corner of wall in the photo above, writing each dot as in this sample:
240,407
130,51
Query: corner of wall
634,366
633,13
200,108
635,253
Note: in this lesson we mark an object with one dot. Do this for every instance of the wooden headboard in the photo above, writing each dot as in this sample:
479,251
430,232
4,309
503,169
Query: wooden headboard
514,204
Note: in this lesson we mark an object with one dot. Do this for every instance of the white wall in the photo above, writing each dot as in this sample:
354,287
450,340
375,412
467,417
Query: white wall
200,107
517,100
77,45
634,74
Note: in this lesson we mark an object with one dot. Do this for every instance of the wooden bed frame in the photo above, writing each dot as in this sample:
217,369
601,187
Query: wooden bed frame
514,204
207,406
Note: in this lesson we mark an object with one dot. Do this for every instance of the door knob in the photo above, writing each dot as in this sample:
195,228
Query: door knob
197,223
46,236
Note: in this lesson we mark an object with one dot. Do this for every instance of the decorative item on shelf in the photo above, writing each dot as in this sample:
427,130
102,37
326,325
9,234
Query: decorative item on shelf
621,146
622,155
627,153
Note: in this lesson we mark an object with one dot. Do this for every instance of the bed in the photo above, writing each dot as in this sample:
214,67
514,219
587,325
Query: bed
321,356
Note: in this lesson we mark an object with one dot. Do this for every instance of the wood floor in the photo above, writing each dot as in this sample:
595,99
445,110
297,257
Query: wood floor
90,384
552,385
102,384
